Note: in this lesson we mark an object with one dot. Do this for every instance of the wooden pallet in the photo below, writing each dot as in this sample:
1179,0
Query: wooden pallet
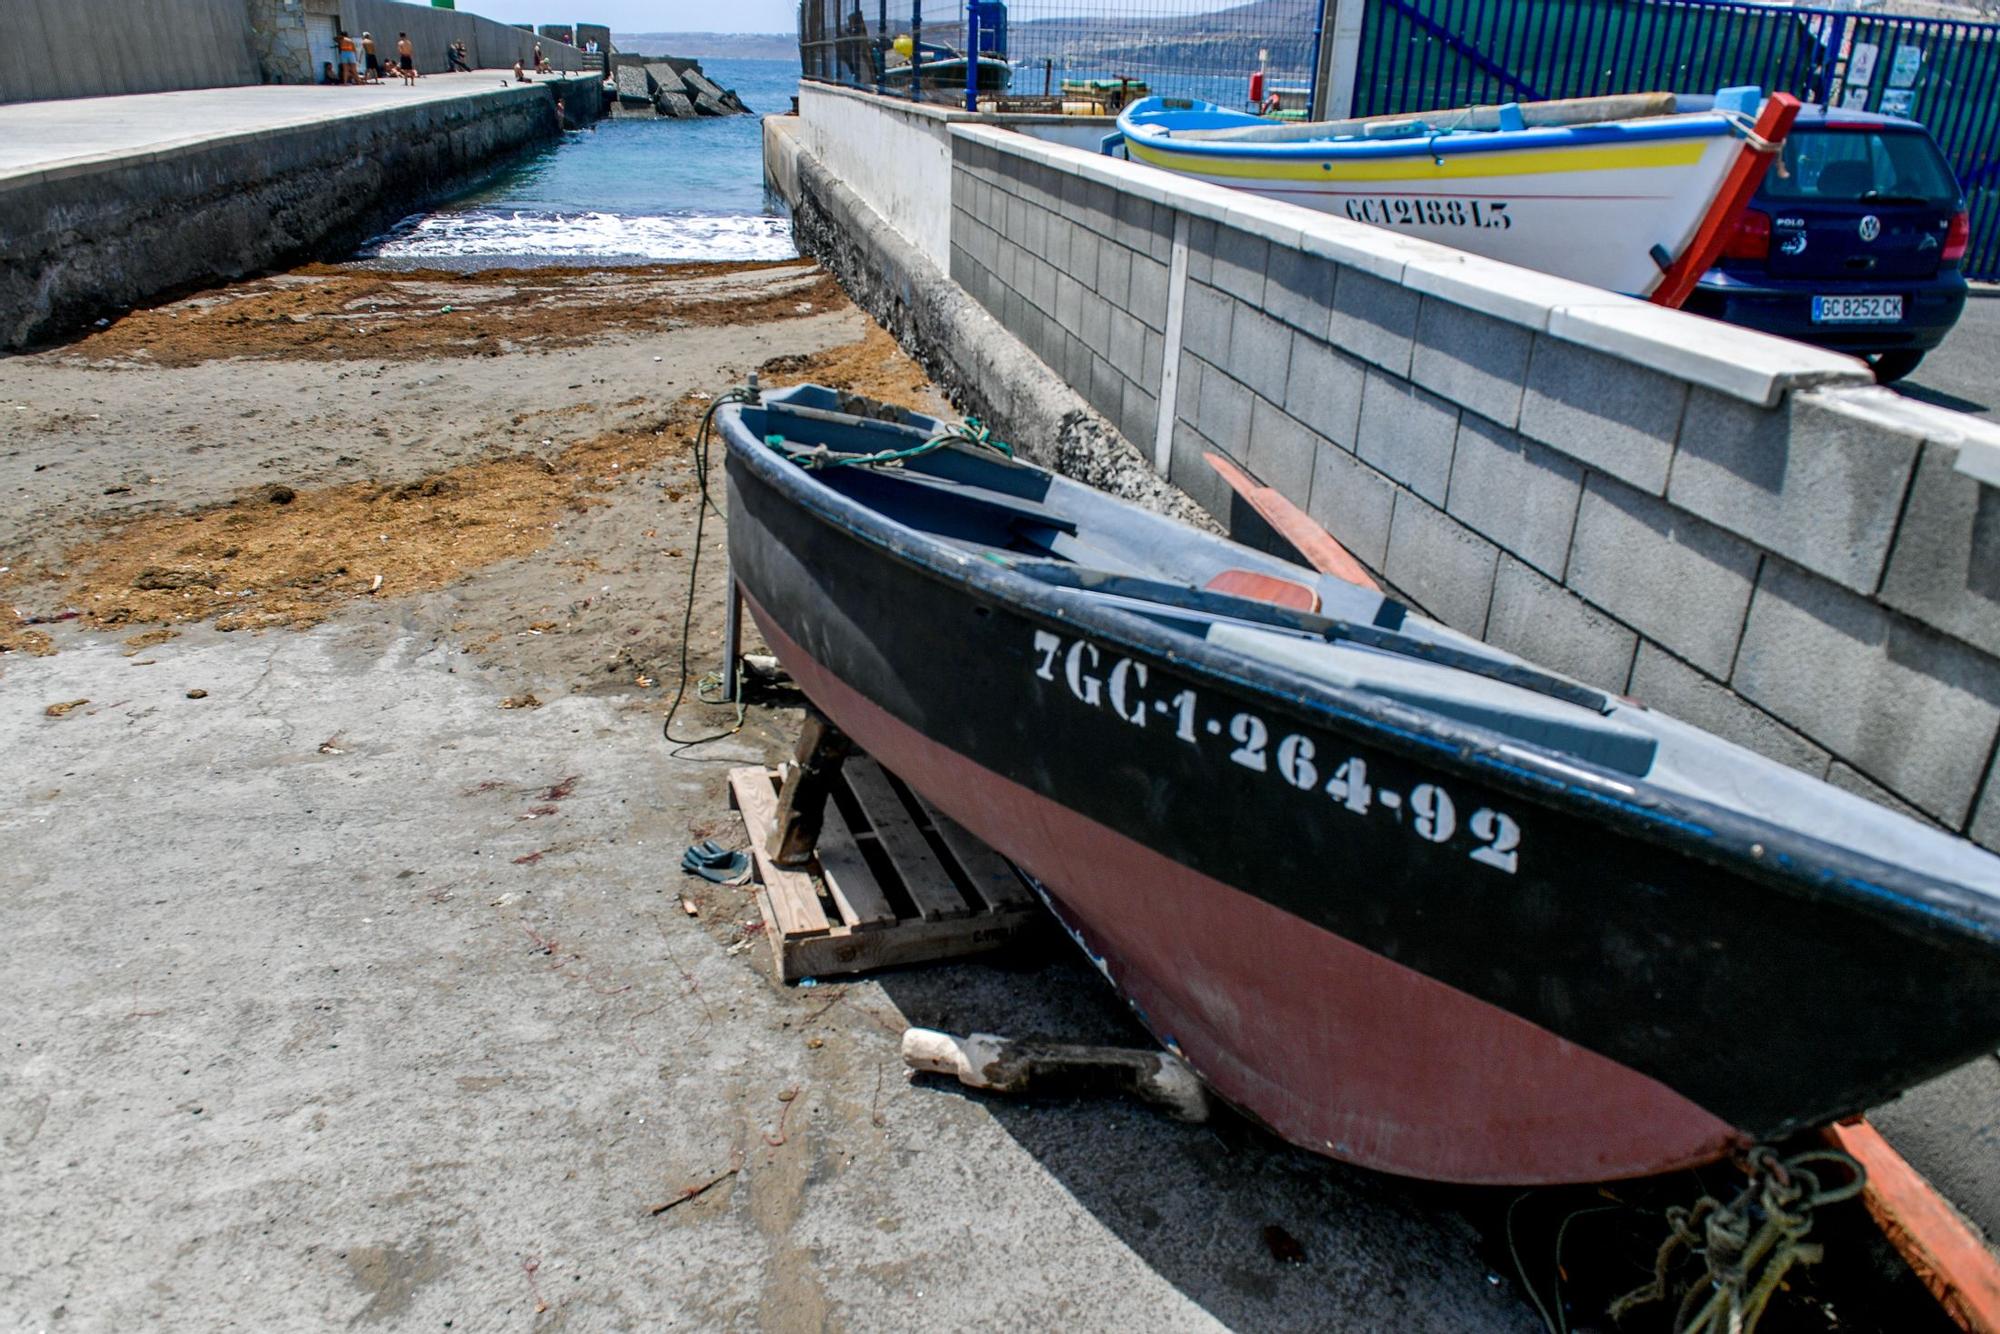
898,883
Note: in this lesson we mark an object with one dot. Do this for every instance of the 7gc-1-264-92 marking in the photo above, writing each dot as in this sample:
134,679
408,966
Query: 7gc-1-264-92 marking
1120,687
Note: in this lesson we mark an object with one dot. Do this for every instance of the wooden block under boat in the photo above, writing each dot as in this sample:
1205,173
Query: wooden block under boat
891,881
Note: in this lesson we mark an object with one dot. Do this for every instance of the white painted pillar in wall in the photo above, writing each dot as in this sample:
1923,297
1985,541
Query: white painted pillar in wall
1339,55
1170,360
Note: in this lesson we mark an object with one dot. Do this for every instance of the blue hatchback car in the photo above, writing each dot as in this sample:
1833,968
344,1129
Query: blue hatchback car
1854,242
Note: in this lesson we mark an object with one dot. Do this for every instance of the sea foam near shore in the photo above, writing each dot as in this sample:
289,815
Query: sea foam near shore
547,236
627,190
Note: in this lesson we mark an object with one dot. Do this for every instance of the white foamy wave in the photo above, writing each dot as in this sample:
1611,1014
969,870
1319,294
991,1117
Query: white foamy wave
570,236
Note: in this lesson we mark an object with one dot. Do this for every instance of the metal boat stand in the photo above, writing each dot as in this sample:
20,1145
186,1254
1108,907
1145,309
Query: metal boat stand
732,640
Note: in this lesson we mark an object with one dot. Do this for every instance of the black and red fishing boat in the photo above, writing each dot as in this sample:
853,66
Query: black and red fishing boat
1407,899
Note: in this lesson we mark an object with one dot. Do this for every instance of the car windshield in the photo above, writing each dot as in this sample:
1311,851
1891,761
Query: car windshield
1852,166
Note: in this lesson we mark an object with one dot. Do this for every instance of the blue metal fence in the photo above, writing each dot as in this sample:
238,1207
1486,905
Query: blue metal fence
1101,49
1421,54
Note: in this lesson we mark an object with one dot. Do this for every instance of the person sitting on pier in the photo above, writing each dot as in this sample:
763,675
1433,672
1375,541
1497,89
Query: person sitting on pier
347,70
326,74
455,59
520,74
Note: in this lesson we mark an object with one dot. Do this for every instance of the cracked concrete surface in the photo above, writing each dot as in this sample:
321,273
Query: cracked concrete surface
340,995
311,1024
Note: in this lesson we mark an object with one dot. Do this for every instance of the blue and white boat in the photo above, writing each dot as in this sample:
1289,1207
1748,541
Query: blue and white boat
1631,192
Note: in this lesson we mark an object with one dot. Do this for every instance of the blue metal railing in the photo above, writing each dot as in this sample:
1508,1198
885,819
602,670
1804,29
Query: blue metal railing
1186,48
1421,54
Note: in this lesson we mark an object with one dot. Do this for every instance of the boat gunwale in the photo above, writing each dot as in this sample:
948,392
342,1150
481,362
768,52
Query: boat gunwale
1902,898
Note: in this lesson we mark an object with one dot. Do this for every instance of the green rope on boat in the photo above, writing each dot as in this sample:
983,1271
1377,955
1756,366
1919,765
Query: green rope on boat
971,431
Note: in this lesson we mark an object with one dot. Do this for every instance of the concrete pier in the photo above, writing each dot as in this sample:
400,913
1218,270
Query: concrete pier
109,202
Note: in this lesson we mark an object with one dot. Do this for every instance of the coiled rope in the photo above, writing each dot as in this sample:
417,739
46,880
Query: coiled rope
1748,1245
971,431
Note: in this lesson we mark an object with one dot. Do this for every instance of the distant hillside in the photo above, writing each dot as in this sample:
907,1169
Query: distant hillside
710,45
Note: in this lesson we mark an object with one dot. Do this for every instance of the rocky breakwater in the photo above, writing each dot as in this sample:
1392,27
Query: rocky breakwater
670,86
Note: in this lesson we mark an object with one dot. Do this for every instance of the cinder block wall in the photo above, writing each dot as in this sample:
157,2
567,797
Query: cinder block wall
1735,529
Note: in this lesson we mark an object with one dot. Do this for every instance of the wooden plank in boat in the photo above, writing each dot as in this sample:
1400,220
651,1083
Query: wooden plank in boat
924,877
794,903
853,886
1295,526
992,875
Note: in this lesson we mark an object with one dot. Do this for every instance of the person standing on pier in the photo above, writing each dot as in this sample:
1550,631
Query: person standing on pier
347,71
455,59
406,56
370,59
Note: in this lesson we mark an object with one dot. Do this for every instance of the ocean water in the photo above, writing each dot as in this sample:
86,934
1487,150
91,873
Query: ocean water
625,191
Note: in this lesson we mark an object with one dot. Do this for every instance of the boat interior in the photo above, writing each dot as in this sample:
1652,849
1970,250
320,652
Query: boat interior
1186,121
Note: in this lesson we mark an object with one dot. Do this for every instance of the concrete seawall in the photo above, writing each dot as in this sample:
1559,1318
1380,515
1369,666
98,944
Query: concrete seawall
1739,530
284,174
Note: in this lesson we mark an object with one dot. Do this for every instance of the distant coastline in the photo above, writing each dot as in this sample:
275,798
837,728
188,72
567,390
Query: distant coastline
710,45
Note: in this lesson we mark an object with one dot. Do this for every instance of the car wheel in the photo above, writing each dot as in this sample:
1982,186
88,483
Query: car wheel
1893,366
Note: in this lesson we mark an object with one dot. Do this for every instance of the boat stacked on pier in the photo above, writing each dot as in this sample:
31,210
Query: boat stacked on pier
1633,193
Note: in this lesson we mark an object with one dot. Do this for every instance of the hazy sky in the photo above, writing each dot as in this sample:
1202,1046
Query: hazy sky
647,15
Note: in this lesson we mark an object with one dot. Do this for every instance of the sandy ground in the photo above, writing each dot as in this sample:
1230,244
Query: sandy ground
341,993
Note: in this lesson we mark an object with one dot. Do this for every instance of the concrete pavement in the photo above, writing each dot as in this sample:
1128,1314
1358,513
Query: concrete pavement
342,995
1961,374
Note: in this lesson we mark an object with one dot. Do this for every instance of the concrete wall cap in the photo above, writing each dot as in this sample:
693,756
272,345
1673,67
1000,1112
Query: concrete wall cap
1755,367
1359,251
1976,439
1890,410
1504,291
1980,461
